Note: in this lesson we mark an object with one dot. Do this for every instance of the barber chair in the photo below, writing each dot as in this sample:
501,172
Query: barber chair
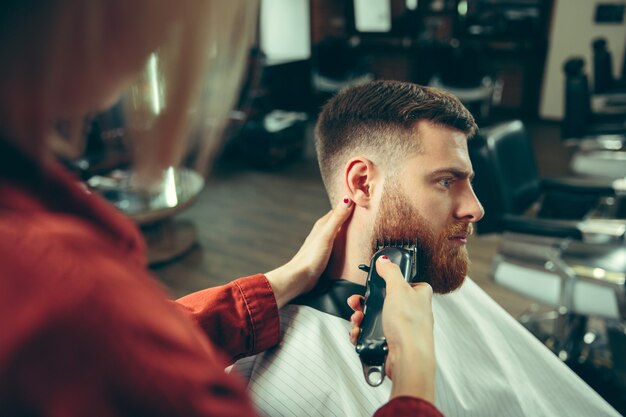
461,72
562,244
153,211
516,198
602,67
594,124
603,80
337,64
587,114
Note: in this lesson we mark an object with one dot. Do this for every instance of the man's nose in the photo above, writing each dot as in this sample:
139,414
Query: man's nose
470,208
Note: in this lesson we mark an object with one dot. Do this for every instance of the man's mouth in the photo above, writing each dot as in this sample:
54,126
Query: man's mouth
459,233
458,239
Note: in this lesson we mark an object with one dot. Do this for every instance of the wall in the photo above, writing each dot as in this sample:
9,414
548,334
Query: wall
572,32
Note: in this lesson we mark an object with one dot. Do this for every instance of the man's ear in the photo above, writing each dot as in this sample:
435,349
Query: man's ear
359,177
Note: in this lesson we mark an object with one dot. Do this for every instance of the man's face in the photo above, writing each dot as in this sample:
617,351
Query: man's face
431,199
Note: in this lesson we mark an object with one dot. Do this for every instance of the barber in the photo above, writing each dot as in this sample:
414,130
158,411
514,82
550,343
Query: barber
86,330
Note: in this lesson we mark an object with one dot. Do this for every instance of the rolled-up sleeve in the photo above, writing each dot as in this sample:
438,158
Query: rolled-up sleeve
241,317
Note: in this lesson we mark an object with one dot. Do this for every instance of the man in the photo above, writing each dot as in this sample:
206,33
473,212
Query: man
399,151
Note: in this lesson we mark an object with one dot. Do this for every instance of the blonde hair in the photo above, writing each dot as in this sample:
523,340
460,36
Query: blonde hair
196,49
197,95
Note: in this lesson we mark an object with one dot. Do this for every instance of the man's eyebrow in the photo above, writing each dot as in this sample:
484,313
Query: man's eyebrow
455,172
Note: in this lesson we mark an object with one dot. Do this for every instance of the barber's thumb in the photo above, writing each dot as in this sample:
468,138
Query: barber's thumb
389,271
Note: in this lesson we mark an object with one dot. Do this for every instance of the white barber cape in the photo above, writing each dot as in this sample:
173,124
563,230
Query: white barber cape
487,365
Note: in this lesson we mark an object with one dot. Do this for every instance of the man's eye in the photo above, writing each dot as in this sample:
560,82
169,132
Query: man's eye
446,182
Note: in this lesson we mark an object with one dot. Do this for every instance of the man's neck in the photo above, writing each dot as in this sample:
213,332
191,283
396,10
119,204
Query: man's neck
349,251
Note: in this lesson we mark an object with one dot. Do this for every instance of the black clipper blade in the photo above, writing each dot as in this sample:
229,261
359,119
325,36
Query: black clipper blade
371,344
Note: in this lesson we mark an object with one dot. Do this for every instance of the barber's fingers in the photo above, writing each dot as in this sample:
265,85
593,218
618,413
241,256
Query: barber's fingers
329,224
325,229
356,302
356,319
394,279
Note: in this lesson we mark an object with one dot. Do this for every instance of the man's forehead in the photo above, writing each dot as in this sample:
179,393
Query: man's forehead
441,146
433,136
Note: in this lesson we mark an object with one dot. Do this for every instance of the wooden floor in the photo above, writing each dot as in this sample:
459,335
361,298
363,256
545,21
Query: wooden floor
250,220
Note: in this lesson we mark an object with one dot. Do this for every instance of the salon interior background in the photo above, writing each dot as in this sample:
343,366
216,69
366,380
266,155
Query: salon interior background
503,58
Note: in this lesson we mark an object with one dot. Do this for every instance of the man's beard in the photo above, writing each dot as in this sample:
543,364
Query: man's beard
443,264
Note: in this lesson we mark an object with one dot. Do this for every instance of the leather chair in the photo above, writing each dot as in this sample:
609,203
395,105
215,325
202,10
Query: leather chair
603,80
586,114
476,85
336,65
517,198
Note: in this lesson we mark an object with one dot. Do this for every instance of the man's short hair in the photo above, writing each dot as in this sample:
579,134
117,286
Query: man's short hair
379,118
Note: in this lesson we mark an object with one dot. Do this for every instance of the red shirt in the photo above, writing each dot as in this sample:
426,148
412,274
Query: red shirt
86,331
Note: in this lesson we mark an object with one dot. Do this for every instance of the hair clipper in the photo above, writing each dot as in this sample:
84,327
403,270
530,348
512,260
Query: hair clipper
371,344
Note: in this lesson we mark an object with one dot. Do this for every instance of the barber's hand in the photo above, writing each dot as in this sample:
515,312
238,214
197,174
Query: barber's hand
408,326
301,273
